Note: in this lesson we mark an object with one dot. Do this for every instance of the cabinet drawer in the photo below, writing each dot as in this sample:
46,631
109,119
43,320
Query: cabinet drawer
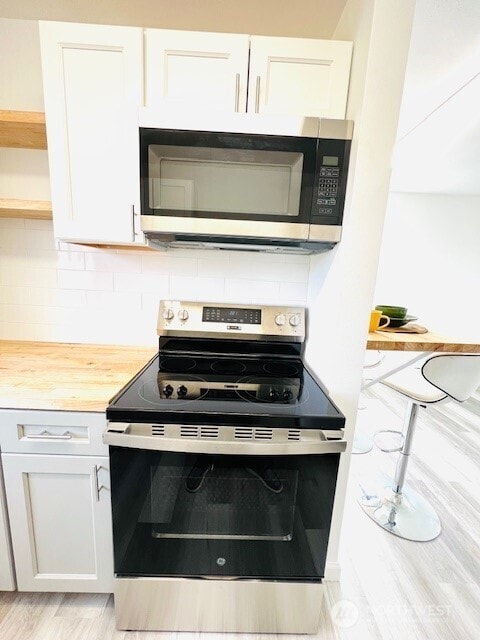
60,432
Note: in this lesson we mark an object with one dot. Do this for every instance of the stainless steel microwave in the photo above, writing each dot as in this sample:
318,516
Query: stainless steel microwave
254,183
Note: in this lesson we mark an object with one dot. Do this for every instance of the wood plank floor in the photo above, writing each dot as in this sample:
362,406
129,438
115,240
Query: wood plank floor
391,589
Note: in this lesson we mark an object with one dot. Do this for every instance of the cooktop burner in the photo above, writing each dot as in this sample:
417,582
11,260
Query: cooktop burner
220,364
202,395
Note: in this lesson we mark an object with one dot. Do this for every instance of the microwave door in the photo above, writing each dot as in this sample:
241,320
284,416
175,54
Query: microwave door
227,179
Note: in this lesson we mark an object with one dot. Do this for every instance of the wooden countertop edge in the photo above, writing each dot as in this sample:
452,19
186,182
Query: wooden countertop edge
419,342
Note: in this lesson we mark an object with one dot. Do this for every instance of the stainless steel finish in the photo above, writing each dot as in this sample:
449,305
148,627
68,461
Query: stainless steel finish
217,227
335,129
399,510
139,436
257,95
183,314
237,91
163,241
407,515
196,327
98,487
403,458
167,313
294,320
210,605
280,319
133,223
45,435
216,536
250,123
324,233
261,390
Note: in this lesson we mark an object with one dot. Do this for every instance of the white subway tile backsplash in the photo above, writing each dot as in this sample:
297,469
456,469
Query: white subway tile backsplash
14,295
93,280
294,291
13,237
187,288
246,290
39,239
142,283
114,300
59,291
71,260
18,331
57,297
45,225
124,262
43,258
40,277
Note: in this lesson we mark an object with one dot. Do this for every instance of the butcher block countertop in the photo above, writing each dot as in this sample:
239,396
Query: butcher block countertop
69,377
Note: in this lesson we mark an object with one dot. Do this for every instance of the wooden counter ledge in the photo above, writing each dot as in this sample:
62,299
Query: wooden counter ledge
62,376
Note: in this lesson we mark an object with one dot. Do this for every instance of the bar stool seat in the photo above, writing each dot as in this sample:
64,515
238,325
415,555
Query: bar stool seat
397,508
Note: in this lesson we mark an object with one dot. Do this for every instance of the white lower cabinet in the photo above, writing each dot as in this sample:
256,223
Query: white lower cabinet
60,520
57,488
7,576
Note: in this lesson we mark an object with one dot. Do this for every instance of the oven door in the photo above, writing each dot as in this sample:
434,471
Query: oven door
195,512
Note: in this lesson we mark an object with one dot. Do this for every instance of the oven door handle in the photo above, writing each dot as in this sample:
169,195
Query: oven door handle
116,437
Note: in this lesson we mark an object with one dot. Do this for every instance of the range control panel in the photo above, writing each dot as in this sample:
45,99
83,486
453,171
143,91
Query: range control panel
196,319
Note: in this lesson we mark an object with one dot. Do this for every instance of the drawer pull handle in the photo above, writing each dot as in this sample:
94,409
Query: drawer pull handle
98,487
45,435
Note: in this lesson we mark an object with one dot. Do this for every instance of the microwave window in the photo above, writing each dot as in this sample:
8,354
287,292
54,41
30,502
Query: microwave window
225,180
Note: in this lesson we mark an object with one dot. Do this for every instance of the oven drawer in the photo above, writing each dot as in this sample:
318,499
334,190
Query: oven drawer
56,432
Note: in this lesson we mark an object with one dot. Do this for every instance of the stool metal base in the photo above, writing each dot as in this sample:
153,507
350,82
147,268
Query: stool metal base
362,443
407,515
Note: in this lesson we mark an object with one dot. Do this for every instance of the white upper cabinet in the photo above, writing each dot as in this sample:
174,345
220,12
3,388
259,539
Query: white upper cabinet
299,76
197,70
93,87
286,76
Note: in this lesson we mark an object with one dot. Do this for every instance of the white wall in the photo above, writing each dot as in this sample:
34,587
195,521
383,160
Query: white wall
430,261
303,18
341,283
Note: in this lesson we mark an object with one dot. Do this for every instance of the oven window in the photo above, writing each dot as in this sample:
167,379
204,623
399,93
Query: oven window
178,514
216,180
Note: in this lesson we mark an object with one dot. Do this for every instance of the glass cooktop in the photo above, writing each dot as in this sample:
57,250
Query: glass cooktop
225,390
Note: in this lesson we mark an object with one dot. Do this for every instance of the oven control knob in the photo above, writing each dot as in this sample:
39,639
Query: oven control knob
287,394
182,391
168,390
280,320
273,394
168,313
294,320
183,314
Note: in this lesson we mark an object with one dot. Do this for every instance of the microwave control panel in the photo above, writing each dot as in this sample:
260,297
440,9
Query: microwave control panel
330,183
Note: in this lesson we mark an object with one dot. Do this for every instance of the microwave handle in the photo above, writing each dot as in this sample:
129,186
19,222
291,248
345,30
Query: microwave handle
133,223
257,95
237,92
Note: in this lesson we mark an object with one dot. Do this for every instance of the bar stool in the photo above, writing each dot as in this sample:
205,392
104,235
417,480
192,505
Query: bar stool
442,378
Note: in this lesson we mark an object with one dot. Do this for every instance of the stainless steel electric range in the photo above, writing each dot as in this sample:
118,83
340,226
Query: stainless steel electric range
224,453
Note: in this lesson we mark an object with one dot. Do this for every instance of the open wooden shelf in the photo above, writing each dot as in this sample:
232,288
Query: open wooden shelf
23,130
36,209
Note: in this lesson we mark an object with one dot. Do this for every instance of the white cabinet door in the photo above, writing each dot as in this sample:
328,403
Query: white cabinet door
7,579
93,87
60,520
194,70
299,76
